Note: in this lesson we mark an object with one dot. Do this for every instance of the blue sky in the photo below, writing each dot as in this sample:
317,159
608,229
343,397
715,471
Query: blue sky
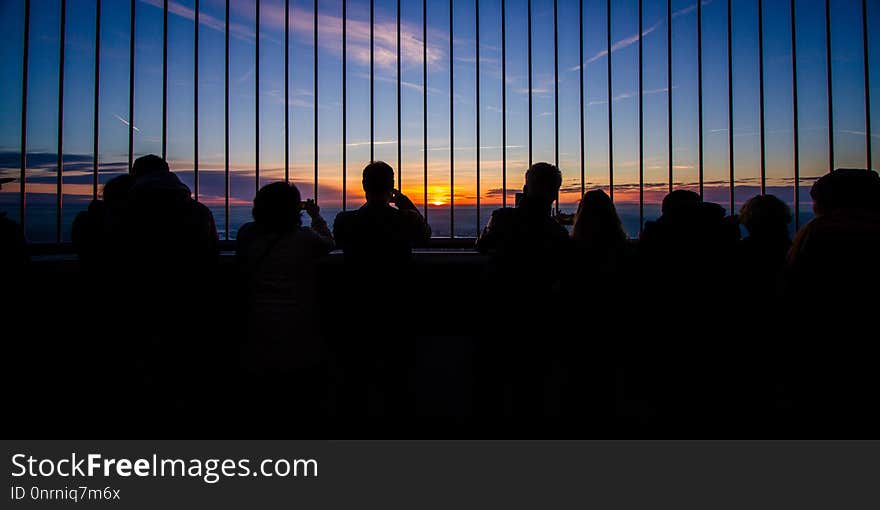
848,86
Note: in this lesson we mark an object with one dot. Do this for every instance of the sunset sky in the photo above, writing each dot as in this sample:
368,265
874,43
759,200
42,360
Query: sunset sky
848,87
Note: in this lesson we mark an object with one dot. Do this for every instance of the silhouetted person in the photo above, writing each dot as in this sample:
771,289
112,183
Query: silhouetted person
168,233
757,290
679,199
527,247
834,256
94,229
599,239
13,248
377,233
687,278
97,236
14,261
690,237
276,257
597,282
763,252
528,254
377,242
833,283
167,247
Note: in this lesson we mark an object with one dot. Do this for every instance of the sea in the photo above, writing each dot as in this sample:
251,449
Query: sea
41,214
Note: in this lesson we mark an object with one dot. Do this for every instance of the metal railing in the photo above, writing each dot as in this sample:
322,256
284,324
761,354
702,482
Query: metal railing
504,135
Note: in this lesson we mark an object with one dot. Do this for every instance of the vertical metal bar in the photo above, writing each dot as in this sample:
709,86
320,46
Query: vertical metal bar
344,102
529,16
642,127
451,126
22,191
868,154
372,95
399,137
96,99
761,95
131,35
669,86
196,100
610,108
477,74
59,181
581,85
165,79
700,91
425,102
226,127
315,76
795,124
257,101
730,153
287,93
504,103
556,82
830,94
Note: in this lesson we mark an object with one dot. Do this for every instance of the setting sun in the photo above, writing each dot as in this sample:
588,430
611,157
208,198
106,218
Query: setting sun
438,195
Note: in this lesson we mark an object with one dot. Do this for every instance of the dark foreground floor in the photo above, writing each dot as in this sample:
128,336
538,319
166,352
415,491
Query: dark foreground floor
455,367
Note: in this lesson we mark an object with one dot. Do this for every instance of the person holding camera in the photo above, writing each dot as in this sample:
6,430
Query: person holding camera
276,257
377,241
377,233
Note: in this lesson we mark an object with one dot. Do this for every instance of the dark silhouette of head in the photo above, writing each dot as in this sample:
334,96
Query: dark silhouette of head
542,184
765,216
680,199
846,188
277,207
5,180
116,189
148,165
596,219
378,182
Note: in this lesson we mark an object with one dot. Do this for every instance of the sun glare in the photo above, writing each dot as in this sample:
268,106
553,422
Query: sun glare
438,195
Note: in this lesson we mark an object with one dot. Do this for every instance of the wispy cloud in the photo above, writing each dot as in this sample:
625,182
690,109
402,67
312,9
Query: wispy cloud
236,30
633,39
330,33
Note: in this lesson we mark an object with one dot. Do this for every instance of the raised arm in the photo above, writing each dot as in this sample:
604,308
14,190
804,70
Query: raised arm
319,226
421,229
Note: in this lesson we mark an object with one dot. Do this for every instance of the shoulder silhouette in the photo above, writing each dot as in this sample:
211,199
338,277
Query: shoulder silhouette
597,231
527,247
836,253
94,229
386,228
